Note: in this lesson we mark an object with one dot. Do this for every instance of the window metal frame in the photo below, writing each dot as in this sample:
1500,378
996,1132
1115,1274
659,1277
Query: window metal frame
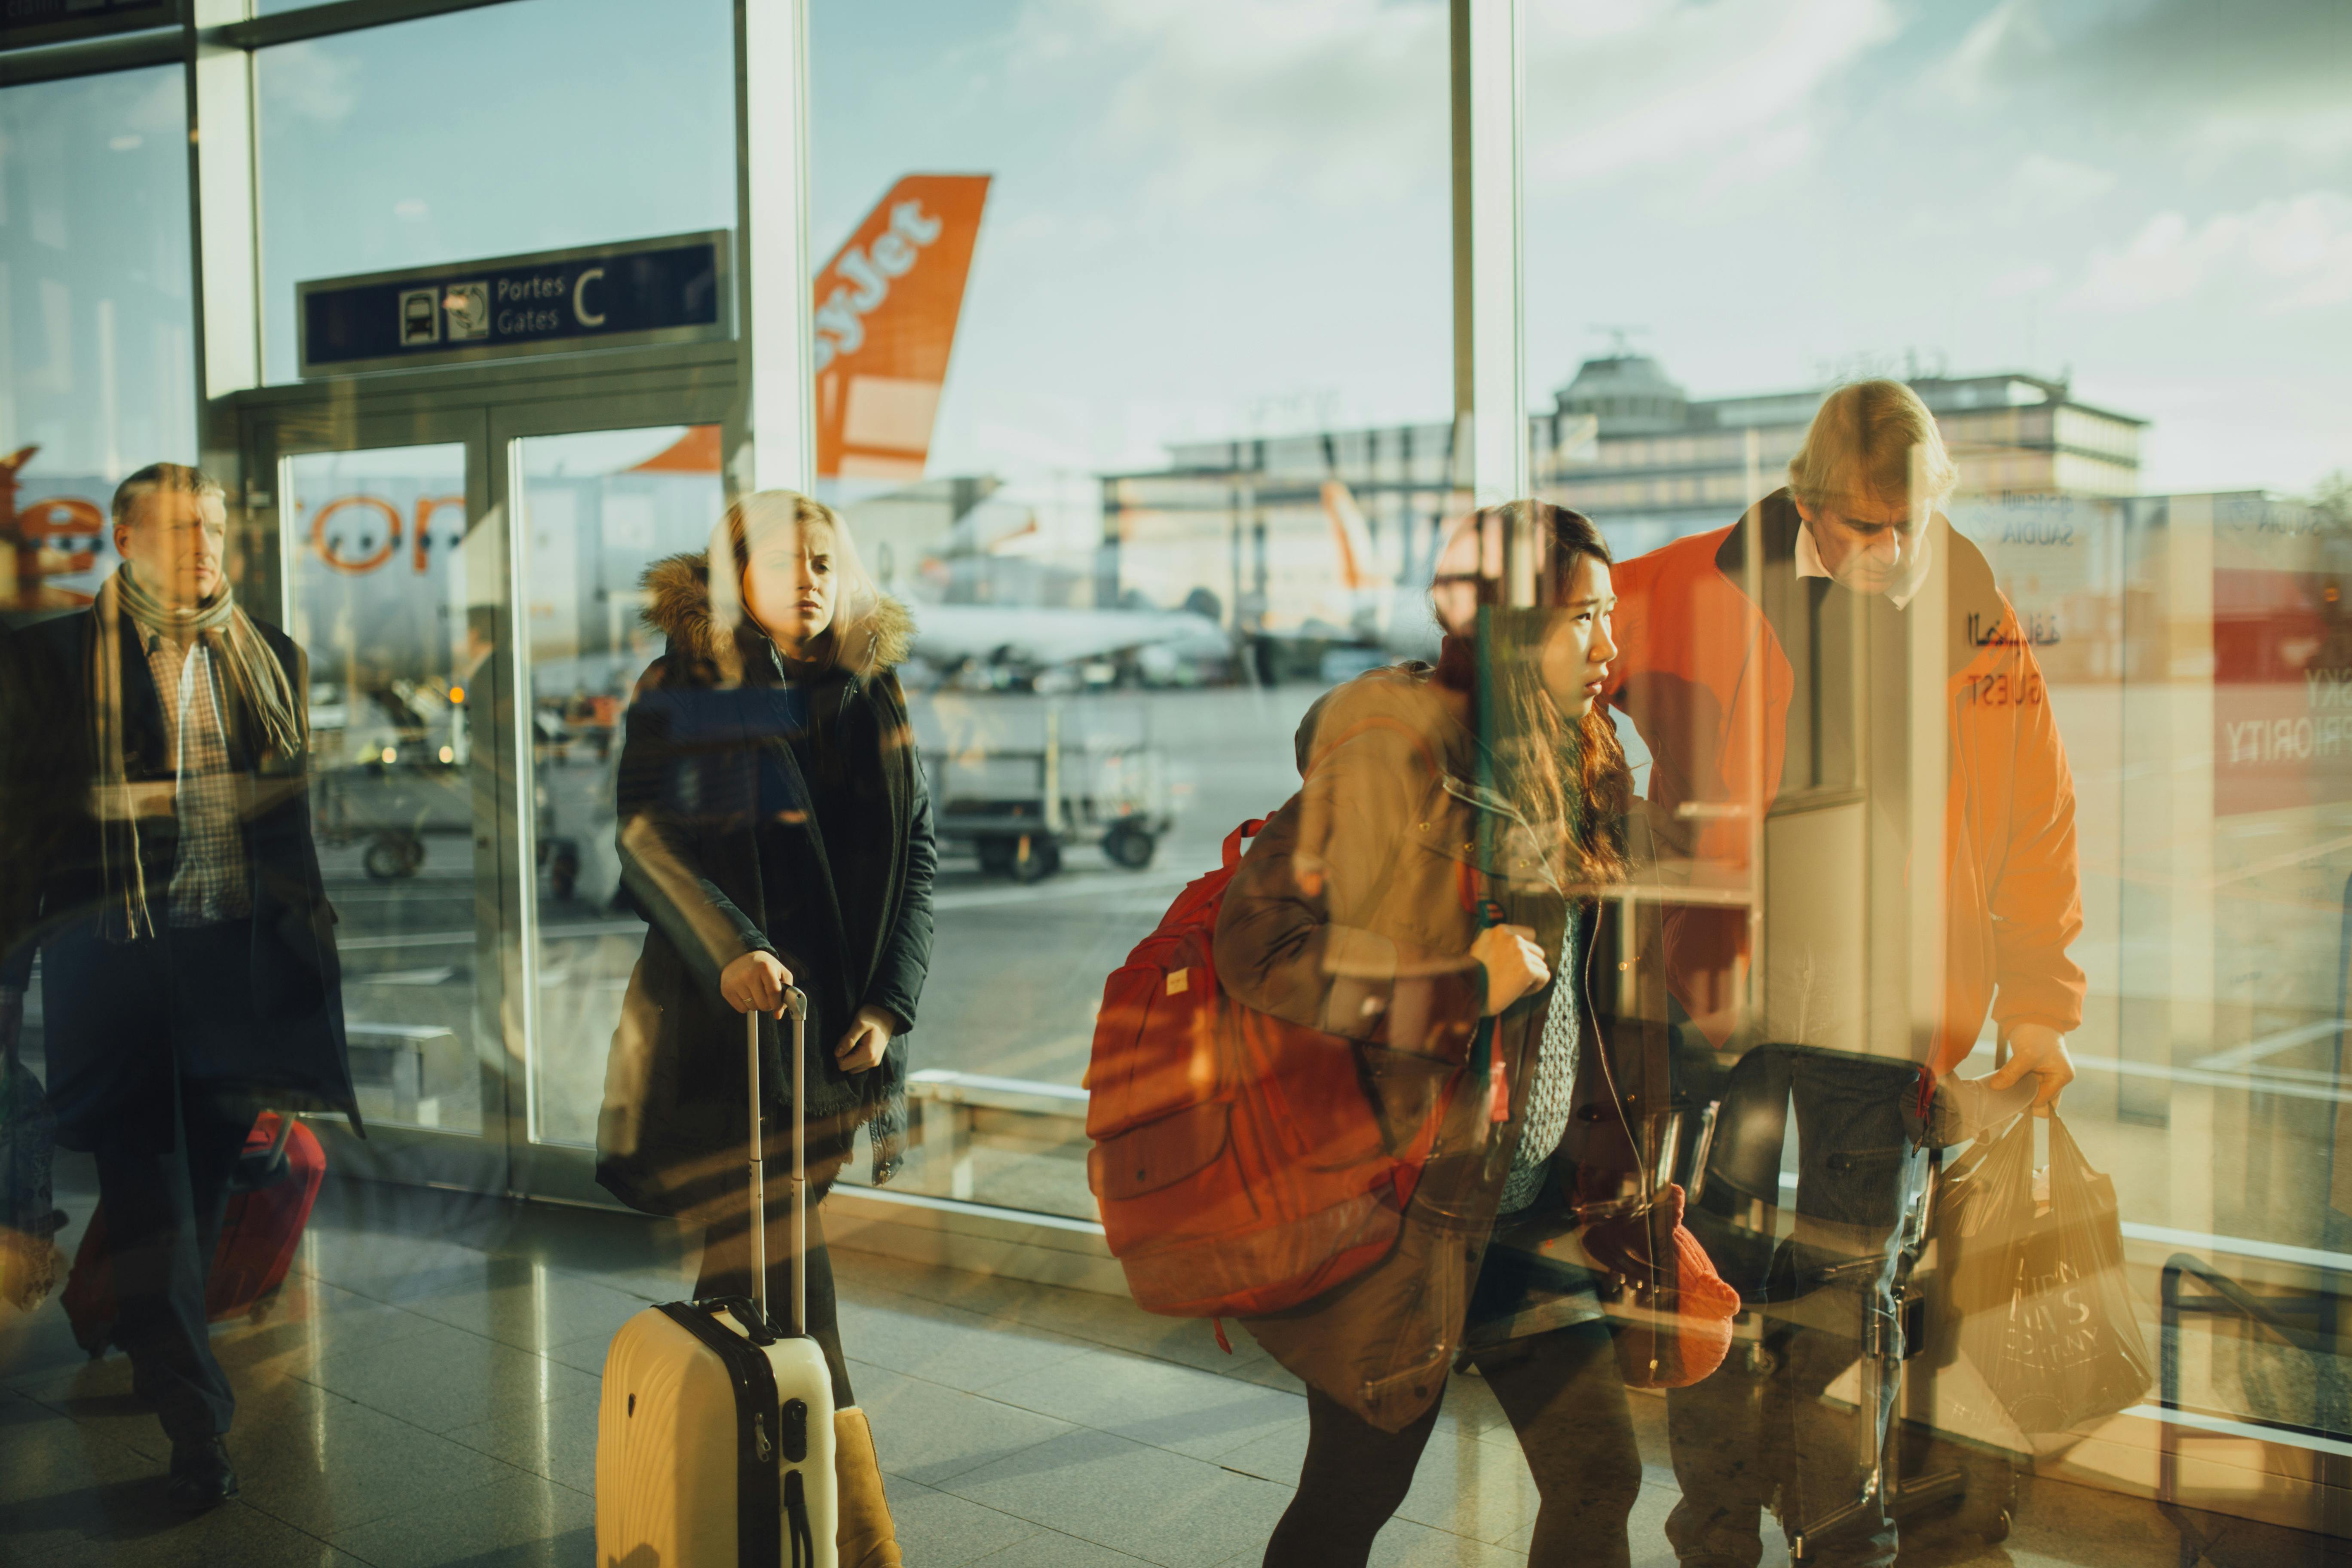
765,379
231,27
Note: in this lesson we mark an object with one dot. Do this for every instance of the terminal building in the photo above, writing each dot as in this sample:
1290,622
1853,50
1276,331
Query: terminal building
1251,520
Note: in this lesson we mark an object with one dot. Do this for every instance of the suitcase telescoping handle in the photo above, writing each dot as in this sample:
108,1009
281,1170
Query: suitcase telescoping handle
796,1008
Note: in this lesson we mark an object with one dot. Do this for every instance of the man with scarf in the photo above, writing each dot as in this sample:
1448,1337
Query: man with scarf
189,975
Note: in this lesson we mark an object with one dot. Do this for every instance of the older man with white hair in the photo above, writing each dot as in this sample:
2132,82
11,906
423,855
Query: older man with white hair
1858,700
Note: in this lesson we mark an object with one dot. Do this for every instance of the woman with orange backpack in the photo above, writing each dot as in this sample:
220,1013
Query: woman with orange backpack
1431,896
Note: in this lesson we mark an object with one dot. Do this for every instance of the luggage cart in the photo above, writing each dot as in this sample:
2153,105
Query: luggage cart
1732,1174
1016,809
394,806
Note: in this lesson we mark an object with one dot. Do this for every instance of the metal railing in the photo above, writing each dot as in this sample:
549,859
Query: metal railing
2310,1323
945,1108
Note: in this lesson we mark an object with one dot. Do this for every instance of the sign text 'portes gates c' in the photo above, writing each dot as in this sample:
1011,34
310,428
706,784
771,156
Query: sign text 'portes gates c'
667,290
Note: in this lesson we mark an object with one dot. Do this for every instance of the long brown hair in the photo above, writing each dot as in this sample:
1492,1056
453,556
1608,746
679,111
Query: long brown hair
1566,779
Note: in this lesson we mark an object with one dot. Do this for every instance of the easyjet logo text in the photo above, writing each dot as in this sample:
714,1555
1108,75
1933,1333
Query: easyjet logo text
841,315
359,533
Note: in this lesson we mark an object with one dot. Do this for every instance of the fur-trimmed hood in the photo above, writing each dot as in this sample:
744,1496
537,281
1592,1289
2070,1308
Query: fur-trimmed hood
678,605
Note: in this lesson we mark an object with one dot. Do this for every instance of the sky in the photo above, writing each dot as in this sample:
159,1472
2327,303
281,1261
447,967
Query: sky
2155,195
1218,217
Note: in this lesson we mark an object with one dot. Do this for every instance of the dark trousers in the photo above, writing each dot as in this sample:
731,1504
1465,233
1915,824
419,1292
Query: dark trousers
1566,1400
727,1271
165,1146
164,1207
1762,1421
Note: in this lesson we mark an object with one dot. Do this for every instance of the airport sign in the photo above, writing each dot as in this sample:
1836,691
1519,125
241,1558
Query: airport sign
667,290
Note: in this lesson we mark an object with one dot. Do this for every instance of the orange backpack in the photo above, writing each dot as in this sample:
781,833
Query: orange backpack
1236,1158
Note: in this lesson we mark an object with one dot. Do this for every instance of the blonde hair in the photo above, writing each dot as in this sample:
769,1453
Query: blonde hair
1872,441
762,516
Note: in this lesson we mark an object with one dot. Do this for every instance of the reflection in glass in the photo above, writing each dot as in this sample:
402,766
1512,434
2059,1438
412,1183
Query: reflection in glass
379,588
502,129
596,510
96,324
1130,568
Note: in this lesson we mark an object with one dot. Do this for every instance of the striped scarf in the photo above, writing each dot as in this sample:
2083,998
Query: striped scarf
261,697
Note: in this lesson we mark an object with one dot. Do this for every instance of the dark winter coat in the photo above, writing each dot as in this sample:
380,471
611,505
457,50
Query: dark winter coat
718,877
298,1058
1380,955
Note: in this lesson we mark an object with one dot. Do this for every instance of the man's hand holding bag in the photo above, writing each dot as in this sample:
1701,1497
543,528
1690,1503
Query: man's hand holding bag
2046,1311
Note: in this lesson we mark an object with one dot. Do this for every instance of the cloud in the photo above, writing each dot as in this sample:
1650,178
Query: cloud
2043,184
311,81
2027,278
1636,83
2247,74
2287,255
1333,100
1996,51
1336,102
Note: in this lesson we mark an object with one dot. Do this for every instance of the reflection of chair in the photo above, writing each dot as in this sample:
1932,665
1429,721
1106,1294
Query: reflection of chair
1735,1183
948,1107
2312,1323
418,1062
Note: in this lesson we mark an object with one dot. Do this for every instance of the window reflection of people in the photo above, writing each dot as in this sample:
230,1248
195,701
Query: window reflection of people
1386,904
775,827
189,973
1857,564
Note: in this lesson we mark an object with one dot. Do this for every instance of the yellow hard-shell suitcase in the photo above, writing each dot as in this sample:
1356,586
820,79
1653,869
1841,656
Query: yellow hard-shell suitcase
714,1439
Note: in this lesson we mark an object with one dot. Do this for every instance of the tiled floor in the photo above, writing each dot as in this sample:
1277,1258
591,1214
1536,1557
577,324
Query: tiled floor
425,1392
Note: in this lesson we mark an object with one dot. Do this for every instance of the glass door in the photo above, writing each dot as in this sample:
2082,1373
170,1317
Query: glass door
466,578
391,579
599,490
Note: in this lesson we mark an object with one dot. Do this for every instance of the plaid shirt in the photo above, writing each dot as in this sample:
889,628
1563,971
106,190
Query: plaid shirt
209,882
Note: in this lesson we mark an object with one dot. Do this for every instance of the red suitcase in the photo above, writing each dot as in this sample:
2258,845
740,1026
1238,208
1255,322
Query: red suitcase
277,1182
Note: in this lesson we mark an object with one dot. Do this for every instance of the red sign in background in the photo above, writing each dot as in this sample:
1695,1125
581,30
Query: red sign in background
2281,690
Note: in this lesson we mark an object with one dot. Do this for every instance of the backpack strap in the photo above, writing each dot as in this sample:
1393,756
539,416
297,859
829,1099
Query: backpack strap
1249,829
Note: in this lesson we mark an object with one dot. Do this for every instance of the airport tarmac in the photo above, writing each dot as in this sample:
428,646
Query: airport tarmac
1016,970
2197,1138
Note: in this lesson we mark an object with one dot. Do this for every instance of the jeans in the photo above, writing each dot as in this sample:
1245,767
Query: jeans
1762,1422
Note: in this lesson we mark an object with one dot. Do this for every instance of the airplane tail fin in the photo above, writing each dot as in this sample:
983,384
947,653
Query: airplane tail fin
1360,563
886,306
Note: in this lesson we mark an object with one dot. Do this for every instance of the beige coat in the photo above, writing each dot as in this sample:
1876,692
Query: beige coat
1379,952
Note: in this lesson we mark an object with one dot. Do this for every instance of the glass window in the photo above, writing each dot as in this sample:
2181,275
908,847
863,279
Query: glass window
96,357
1197,251
2124,322
598,508
495,131
378,584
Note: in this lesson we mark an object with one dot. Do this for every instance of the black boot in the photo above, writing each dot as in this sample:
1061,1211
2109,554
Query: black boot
202,1478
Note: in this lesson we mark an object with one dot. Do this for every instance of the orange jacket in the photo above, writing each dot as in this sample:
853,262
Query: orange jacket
1691,640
